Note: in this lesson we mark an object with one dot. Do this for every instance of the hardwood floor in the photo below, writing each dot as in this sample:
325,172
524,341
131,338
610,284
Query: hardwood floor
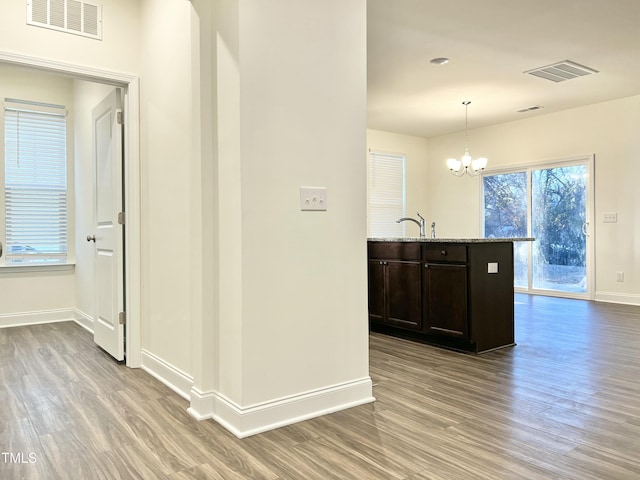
563,404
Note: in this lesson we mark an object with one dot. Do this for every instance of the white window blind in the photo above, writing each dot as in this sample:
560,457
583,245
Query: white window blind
35,190
386,194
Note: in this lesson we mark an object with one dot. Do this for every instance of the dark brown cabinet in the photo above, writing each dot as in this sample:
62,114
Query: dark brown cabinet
395,286
457,295
445,289
445,299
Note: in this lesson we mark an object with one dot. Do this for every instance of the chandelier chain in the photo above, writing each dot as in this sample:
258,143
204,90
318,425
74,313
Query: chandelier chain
466,125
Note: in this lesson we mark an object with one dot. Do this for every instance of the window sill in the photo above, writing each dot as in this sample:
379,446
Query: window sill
32,268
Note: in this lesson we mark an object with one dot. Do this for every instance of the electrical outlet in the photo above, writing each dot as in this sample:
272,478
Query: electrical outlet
492,267
313,198
619,276
610,218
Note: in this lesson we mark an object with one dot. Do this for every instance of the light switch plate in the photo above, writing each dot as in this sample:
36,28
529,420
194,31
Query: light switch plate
313,198
610,218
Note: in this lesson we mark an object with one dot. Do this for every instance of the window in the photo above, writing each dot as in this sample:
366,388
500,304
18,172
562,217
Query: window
35,183
385,194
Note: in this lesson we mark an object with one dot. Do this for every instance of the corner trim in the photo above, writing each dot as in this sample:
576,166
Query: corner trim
203,404
246,421
164,372
84,320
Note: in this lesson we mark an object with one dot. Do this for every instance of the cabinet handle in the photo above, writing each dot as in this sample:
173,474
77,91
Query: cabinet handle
444,252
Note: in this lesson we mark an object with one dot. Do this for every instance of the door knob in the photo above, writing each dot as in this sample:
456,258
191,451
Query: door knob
91,238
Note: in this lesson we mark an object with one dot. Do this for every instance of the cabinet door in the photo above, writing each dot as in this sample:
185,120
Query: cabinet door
445,299
404,294
376,291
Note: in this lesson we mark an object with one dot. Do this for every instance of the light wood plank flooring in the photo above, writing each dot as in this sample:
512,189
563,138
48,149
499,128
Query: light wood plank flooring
563,404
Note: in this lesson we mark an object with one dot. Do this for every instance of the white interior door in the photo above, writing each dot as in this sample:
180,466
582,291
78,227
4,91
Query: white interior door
108,235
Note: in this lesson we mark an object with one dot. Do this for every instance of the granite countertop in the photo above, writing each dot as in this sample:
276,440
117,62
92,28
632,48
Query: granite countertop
452,240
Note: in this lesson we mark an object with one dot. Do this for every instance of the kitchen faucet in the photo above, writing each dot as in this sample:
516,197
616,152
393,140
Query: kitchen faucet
421,224
433,229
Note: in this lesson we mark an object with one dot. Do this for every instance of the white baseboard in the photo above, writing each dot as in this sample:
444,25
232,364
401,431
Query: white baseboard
623,298
83,319
203,404
35,318
172,377
246,421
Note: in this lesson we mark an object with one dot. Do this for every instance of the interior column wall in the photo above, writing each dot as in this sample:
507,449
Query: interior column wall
166,156
303,123
291,323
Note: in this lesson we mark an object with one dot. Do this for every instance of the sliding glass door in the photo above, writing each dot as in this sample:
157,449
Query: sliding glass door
552,204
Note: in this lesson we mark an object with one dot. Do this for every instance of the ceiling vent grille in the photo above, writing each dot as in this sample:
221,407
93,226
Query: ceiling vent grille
70,16
561,71
530,109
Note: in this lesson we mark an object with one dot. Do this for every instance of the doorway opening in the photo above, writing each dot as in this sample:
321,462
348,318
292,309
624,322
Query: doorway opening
131,186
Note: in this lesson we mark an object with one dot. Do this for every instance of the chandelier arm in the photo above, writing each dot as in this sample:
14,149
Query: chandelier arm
460,173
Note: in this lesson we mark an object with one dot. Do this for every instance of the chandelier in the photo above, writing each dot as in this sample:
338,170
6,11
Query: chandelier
466,165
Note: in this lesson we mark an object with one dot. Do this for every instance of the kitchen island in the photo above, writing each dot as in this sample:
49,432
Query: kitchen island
454,293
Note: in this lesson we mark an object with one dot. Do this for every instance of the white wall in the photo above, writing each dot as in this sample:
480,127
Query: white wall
302,122
166,156
118,51
608,130
30,295
415,150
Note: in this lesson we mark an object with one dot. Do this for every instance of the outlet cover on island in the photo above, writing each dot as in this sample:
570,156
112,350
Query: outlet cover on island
492,267
313,198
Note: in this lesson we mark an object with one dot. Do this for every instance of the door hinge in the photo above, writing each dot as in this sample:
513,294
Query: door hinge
121,218
120,117
122,318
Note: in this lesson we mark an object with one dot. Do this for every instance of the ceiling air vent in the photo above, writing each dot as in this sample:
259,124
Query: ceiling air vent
530,109
561,71
70,16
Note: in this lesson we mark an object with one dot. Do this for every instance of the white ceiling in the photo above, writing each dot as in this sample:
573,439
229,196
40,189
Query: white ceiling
490,43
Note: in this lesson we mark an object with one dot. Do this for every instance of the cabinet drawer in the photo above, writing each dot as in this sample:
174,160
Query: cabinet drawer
394,250
444,252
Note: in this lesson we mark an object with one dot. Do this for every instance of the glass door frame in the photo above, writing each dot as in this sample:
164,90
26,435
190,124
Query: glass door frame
589,161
